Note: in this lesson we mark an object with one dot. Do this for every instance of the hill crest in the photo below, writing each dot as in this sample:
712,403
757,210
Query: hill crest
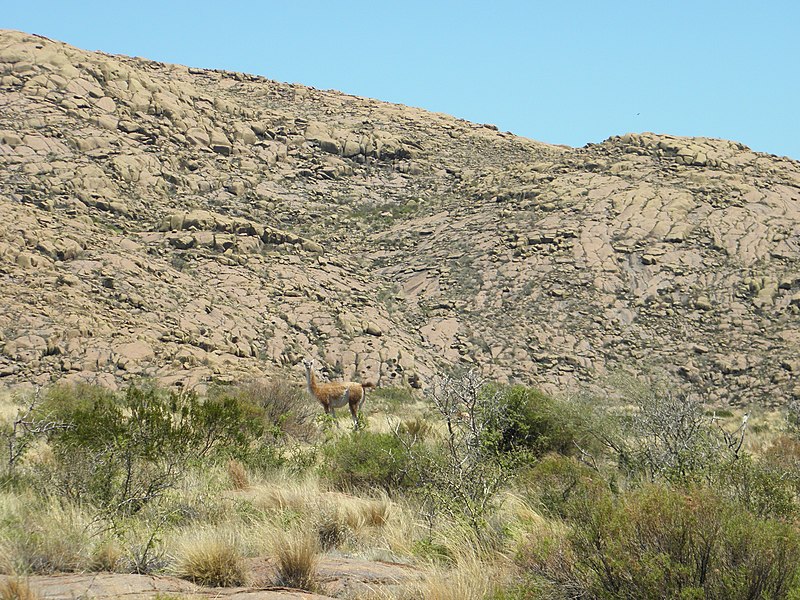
193,225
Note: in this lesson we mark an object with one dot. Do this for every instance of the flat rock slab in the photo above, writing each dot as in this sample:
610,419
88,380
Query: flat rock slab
337,575
340,575
352,575
141,587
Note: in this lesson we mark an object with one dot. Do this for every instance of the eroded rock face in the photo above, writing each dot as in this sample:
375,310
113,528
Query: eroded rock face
191,225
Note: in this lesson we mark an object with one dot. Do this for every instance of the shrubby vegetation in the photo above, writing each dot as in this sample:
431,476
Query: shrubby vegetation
502,491
120,453
363,460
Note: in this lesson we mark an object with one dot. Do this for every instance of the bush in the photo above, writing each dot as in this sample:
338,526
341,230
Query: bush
365,460
561,483
669,434
784,454
659,542
121,453
534,422
285,408
761,486
462,471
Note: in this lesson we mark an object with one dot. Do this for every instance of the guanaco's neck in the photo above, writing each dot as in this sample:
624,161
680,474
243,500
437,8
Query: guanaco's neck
311,380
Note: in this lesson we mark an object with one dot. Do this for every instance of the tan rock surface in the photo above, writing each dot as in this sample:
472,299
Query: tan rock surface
338,577
193,225
110,586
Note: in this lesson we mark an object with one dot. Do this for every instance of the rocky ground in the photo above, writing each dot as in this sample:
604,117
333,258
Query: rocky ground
339,578
192,226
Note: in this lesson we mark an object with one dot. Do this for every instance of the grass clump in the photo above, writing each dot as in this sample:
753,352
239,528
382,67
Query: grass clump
210,558
14,588
466,580
44,535
238,475
296,555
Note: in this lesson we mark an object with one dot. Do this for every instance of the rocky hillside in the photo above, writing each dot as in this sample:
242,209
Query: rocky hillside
194,225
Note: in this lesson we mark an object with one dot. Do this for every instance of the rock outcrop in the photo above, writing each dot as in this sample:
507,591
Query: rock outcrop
192,225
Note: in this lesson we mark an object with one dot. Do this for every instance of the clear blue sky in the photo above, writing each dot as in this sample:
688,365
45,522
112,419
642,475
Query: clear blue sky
567,72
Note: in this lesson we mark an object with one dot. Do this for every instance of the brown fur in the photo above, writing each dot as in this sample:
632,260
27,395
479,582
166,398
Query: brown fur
337,394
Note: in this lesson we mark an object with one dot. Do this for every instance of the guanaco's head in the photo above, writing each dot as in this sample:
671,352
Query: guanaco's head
308,363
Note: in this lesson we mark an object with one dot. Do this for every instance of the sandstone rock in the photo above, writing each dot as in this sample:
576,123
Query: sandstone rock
220,143
67,249
373,329
26,260
137,351
244,134
199,219
10,138
555,265
198,136
237,188
310,246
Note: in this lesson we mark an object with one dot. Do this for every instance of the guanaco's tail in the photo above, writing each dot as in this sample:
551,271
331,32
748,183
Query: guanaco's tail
364,386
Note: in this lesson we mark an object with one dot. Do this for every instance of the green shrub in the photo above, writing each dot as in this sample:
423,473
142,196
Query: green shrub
462,471
364,460
659,542
122,452
784,454
560,484
534,422
763,487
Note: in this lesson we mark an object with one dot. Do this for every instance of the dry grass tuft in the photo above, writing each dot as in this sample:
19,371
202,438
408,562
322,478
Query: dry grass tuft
43,535
296,556
210,557
418,427
472,576
17,589
238,475
357,512
286,494
107,556
470,580
376,512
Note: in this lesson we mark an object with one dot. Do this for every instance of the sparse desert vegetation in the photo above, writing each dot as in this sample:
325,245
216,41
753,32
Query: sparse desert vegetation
179,237
474,490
